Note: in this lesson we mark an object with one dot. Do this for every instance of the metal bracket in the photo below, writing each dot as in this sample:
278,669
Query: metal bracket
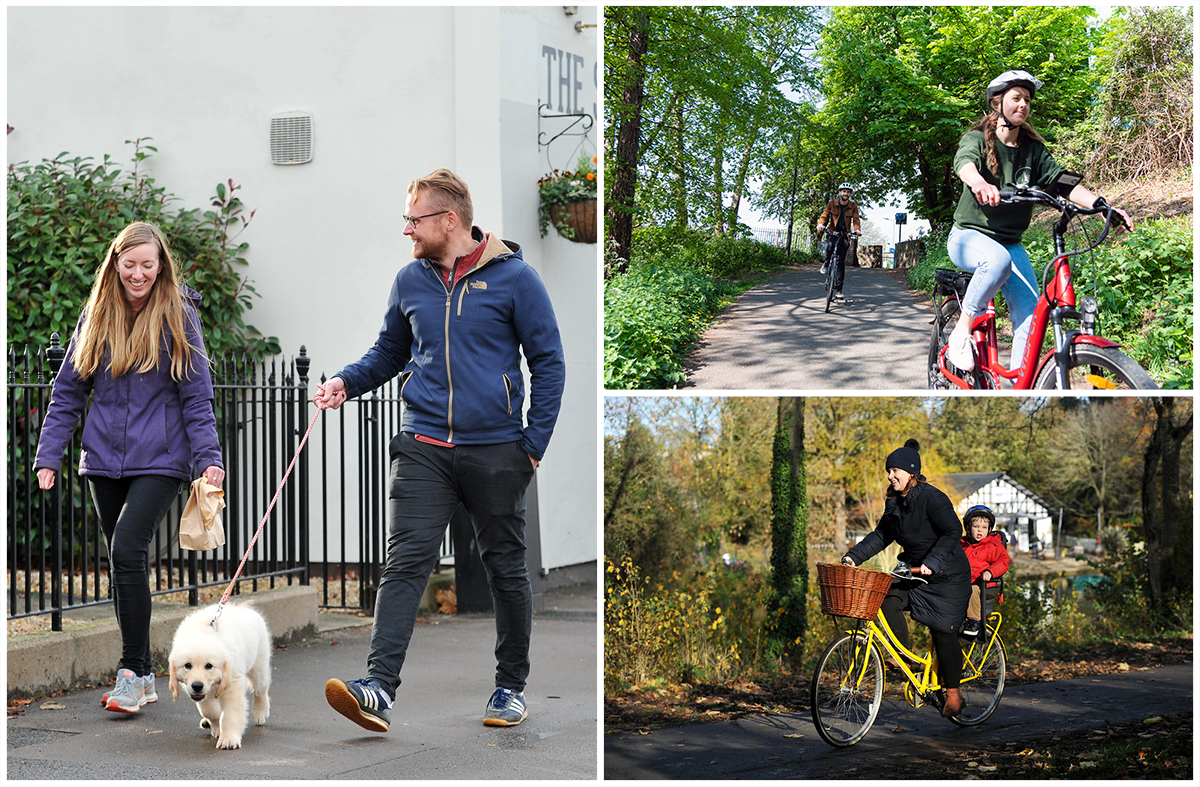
580,117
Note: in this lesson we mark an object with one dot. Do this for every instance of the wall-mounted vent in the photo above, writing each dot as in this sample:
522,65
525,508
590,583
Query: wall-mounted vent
291,138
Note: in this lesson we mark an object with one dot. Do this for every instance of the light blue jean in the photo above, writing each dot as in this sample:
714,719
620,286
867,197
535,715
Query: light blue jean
996,267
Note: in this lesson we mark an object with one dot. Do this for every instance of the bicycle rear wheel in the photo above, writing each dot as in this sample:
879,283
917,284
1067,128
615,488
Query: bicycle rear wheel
945,314
1097,368
984,668
847,688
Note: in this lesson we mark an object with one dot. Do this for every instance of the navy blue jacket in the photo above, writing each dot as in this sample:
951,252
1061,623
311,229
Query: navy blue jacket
139,423
458,352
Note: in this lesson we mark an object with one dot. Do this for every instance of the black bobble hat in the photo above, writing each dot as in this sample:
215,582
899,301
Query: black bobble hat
907,458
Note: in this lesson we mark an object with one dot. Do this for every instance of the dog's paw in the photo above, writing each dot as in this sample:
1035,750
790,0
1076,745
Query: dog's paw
229,743
204,725
260,720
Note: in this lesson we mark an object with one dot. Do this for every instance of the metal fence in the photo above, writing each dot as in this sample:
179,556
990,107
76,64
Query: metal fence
56,556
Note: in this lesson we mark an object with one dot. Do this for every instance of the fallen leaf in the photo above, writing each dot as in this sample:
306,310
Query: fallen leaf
793,735
1086,764
1153,720
1123,667
972,764
19,703
899,729
988,768
52,706
153,732
1090,756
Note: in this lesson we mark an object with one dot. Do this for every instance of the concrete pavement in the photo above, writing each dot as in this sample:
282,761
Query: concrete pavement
778,337
437,730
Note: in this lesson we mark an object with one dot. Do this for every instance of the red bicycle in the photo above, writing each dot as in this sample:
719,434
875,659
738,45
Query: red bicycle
1080,358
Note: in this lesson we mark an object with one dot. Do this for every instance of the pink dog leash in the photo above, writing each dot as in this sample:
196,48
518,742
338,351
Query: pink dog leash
270,508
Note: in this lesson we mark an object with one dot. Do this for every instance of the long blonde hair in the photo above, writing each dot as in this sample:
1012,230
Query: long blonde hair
112,332
987,124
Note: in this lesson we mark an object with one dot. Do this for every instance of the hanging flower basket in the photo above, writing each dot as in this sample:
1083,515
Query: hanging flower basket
575,221
568,201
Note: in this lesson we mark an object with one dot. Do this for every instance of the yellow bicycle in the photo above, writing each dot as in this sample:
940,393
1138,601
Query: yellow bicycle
848,683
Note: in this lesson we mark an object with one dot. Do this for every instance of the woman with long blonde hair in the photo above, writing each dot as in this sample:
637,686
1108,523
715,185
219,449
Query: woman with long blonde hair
138,352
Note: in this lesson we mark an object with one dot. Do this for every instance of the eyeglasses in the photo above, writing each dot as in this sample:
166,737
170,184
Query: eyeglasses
415,220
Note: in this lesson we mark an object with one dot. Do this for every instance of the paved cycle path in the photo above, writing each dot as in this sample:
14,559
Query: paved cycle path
777,336
786,746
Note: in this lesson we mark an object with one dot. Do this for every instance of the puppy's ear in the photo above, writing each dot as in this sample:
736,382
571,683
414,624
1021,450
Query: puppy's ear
224,679
174,682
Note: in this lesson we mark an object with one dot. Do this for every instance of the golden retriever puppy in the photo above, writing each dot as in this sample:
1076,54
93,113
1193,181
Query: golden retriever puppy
217,664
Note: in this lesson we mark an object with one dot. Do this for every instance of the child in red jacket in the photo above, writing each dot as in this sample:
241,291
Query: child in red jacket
988,557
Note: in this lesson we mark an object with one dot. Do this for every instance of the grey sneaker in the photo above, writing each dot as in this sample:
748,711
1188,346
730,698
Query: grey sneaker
824,268
126,696
149,694
362,701
837,296
506,708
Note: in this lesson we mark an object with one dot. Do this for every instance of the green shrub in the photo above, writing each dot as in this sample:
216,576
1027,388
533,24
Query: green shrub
64,212
651,315
1145,291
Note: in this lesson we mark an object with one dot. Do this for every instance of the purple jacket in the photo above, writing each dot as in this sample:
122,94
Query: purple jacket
138,424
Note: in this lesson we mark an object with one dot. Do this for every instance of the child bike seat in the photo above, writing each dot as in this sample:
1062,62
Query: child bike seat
950,281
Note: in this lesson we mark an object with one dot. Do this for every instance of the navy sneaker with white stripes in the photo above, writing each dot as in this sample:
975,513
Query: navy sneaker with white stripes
506,708
362,701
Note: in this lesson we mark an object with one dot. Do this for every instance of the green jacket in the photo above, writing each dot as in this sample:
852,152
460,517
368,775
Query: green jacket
1028,164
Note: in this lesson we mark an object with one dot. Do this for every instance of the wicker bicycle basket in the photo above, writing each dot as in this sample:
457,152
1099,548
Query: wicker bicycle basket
851,592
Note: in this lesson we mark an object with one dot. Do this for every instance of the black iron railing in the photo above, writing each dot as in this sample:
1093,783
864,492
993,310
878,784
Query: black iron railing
56,556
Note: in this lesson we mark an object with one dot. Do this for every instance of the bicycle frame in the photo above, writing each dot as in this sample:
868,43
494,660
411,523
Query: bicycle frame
880,634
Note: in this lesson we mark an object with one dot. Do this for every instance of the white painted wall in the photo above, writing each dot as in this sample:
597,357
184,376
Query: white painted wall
394,94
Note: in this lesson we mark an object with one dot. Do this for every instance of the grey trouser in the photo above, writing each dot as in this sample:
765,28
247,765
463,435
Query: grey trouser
428,482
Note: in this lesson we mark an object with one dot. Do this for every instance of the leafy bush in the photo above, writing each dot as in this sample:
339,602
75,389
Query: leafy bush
708,627
1145,292
651,315
64,212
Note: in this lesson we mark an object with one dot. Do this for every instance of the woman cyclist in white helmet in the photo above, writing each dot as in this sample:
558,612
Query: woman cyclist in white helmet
986,238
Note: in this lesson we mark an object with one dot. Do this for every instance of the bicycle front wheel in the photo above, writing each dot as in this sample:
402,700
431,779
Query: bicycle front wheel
984,667
1097,368
829,284
847,688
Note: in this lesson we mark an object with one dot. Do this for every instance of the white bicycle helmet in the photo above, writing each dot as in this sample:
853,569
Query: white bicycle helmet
846,186
1014,79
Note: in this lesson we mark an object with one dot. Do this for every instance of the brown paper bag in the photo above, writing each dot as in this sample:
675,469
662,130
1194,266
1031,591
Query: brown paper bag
200,529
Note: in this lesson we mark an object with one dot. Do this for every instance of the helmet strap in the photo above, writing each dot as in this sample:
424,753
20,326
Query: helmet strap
1004,120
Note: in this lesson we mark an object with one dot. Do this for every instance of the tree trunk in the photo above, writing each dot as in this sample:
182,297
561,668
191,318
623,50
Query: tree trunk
628,119
719,185
1160,480
740,184
789,530
679,184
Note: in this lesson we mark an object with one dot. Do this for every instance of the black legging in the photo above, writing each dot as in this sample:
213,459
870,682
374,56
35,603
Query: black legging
130,510
945,645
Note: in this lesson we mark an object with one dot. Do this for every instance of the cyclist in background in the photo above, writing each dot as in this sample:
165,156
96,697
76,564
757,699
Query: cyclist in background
986,237
841,214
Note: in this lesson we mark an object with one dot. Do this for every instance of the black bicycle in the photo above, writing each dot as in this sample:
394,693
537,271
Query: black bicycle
831,260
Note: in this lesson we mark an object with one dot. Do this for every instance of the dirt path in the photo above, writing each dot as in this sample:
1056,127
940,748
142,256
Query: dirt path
786,746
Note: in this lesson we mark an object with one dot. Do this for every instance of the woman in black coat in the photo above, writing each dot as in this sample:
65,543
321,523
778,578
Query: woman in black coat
921,519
